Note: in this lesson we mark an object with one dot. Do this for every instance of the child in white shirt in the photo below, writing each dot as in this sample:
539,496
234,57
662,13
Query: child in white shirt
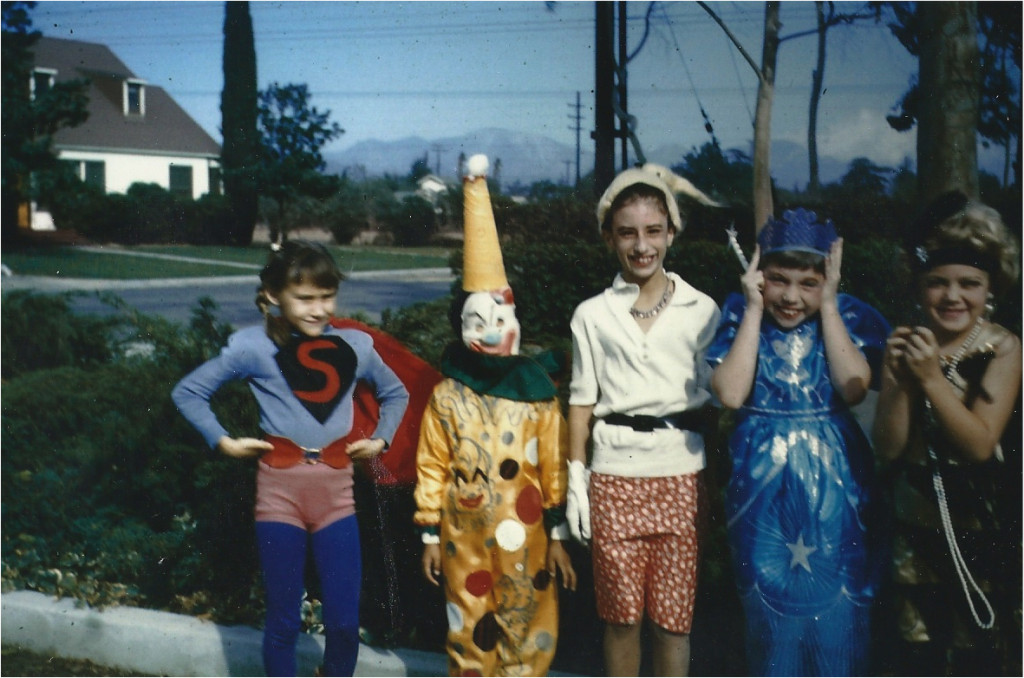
639,376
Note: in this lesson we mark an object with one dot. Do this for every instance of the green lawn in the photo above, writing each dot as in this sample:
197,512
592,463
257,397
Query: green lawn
71,262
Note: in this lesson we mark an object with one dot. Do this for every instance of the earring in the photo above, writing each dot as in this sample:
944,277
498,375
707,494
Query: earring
990,306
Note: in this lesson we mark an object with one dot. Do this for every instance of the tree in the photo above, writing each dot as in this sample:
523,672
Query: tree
987,74
411,221
240,153
727,175
763,203
292,134
419,169
30,118
865,178
825,22
1000,123
949,79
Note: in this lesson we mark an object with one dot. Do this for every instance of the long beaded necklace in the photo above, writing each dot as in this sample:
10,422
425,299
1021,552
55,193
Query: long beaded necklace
967,582
657,308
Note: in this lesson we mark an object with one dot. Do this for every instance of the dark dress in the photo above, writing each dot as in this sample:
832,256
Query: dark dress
932,615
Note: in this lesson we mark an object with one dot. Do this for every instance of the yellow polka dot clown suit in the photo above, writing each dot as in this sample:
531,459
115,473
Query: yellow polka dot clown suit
492,473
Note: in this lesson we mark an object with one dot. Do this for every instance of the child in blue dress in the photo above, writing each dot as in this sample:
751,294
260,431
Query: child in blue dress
302,372
792,355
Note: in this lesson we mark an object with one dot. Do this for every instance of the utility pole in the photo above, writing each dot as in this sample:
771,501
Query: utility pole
576,128
437,148
623,88
604,86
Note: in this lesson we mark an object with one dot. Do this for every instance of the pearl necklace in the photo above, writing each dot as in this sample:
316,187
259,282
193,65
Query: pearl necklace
657,308
950,364
967,582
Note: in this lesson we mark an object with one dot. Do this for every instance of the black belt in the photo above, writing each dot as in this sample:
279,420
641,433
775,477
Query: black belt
690,420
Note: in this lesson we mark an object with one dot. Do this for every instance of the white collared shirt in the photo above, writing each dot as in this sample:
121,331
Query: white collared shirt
619,368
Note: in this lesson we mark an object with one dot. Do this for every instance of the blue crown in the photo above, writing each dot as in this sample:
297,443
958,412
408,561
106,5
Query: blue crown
797,230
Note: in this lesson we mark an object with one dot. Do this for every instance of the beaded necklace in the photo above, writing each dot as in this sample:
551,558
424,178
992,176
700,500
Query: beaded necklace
949,365
967,582
657,308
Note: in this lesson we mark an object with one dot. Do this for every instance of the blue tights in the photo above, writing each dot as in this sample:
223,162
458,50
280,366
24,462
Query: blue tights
282,550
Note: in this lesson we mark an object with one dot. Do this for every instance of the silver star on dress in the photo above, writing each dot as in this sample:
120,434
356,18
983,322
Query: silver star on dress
800,552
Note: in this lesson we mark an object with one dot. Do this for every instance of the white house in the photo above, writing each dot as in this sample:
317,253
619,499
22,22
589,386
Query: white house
135,132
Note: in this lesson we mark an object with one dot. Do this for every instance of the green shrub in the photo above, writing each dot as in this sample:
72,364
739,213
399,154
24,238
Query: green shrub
40,331
146,214
110,496
423,328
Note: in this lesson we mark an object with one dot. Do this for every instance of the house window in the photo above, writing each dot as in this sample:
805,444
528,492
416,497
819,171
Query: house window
94,173
134,98
42,81
214,176
181,180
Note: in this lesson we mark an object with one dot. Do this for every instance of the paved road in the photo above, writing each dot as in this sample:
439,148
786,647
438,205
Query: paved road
369,293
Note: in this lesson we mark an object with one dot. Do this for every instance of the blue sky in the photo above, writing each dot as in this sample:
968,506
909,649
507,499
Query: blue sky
389,70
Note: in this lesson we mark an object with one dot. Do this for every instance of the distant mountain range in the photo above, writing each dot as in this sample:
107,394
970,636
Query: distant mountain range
528,158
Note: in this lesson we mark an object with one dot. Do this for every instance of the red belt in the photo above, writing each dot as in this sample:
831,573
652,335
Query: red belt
287,454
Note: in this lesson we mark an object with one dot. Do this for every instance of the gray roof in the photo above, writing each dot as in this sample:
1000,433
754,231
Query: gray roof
165,128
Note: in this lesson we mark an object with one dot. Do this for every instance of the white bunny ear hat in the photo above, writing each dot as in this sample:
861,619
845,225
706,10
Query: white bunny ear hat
483,268
661,178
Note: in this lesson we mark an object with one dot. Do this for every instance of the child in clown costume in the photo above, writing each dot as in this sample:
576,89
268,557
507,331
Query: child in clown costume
492,473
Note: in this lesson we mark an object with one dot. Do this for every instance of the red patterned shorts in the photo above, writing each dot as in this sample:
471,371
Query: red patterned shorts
645,549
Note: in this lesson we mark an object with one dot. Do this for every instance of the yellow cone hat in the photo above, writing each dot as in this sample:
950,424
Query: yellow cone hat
483,268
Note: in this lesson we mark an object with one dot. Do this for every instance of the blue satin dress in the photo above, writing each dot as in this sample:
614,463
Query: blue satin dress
799,500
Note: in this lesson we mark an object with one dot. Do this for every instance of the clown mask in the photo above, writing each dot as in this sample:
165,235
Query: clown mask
489,323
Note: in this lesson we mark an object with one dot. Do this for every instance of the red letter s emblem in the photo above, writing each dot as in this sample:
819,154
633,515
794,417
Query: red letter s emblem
330,389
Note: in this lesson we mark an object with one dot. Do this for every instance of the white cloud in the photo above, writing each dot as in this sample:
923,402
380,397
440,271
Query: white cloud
865,133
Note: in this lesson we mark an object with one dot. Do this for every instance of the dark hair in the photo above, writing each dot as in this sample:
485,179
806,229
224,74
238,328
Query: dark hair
636,193
294,263
797,259
455,311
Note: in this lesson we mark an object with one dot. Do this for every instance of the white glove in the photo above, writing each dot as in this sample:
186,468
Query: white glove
577,505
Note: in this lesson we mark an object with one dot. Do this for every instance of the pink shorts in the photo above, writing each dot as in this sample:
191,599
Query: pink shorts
308,496
645,549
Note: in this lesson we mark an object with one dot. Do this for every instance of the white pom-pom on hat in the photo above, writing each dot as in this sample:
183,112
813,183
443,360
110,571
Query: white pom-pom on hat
477,166
483,268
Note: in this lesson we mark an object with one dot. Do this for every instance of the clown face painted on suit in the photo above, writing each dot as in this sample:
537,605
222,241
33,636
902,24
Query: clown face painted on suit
489,323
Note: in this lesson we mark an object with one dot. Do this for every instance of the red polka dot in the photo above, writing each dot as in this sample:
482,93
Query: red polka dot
529,505
479,582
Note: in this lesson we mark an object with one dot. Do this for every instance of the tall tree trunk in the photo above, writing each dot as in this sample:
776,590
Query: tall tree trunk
817,78
949,83
763,204
240,153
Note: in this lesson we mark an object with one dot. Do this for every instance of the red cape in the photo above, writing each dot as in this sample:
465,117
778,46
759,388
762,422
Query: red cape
398,464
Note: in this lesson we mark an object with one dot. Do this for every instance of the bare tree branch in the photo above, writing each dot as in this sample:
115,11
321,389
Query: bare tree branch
735,41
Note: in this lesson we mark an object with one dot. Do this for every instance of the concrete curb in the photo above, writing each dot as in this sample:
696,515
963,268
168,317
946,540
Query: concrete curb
161,643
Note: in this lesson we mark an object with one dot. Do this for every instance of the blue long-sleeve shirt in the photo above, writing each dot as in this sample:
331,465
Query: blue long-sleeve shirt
251,355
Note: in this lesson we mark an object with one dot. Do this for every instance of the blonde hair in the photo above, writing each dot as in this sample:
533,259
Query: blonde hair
980,229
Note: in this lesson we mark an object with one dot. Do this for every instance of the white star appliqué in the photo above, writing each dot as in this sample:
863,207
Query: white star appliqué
800,552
